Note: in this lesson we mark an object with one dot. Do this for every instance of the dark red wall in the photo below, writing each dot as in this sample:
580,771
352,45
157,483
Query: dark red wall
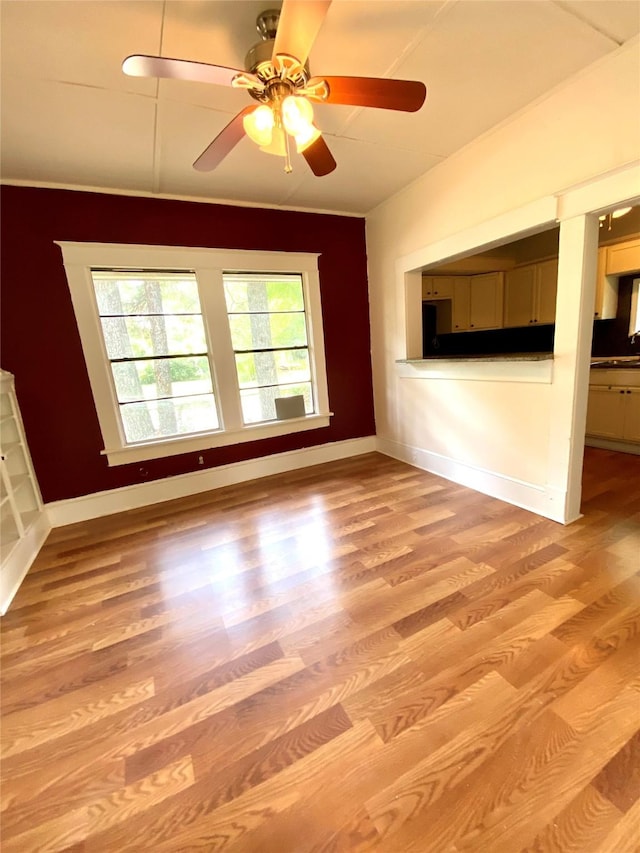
41,346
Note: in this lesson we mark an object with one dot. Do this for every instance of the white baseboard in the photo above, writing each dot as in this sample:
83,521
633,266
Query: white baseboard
144,494
606,444
18,562
530,496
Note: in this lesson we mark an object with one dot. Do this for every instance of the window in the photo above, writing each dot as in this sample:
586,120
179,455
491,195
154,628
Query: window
194,348
154,337
269,337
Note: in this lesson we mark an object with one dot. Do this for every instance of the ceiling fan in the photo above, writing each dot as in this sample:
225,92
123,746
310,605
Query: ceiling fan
277,77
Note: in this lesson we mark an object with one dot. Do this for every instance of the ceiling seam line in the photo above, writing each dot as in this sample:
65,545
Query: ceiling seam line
156,112
575,14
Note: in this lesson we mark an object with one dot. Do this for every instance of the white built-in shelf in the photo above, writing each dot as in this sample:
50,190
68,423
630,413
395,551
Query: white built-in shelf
23,521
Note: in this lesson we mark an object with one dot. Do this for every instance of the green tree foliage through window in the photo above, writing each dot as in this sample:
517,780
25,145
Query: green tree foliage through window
268,328
154,335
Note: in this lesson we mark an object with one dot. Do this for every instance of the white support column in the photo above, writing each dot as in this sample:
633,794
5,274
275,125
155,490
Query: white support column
572,352
410,304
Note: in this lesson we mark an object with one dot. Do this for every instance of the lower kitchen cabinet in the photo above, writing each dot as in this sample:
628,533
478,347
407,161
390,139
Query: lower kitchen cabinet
614,413
631,431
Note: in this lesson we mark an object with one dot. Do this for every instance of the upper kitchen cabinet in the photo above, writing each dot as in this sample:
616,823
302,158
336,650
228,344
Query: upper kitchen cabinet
623,258
530,294
437,286
477,302
614,260
486,294
606,290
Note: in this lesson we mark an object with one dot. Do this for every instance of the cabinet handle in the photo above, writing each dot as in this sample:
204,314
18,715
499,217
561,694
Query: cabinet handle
628,392
471,325
435,292
622,392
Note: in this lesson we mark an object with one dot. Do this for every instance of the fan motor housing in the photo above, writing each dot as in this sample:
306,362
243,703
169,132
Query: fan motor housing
259,53
259,58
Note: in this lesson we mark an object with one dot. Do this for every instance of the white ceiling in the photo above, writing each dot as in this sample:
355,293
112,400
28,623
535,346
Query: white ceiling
70,116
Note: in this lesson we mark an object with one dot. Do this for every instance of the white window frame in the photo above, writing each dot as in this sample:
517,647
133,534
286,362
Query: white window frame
209,266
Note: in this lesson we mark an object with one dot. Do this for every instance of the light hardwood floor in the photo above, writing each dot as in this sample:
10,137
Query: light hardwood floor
357,656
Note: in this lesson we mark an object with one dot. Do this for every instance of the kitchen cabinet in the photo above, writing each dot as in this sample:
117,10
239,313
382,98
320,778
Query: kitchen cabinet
477,302
23,522
437,286
613,412
623,258
530,294
606,305
614,261
631,430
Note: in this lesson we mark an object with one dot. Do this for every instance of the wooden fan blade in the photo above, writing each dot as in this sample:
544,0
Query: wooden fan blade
405,95
180,69
224,142
298,26
319,158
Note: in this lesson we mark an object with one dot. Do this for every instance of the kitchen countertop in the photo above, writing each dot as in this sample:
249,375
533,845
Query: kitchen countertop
623,362
513,356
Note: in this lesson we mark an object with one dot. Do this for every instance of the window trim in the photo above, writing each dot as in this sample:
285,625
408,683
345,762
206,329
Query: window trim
209,266
244,277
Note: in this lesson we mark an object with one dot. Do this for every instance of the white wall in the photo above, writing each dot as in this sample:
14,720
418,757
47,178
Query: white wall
572,151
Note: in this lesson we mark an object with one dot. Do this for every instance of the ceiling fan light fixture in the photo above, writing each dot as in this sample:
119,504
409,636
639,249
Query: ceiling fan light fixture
277,144
297,114
259,125
277,76
297,117
613,214
306,138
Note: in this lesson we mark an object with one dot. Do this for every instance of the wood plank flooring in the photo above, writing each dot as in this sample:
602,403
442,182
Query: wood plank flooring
353,657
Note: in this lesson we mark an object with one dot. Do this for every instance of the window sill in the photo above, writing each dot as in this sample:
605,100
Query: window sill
206,441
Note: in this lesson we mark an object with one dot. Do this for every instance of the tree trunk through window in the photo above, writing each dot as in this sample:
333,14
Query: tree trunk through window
128,374
261,336
162,367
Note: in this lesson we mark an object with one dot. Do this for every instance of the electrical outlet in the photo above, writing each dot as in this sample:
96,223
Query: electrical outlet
200,460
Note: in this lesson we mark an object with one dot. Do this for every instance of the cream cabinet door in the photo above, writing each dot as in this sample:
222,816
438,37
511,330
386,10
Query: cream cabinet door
519,292
606,411
461,304
442,287
485,301
623,258
547,291
631,430
606,306
437,287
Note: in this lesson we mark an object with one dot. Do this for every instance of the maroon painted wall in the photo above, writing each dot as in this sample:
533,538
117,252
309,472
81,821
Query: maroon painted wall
41,346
